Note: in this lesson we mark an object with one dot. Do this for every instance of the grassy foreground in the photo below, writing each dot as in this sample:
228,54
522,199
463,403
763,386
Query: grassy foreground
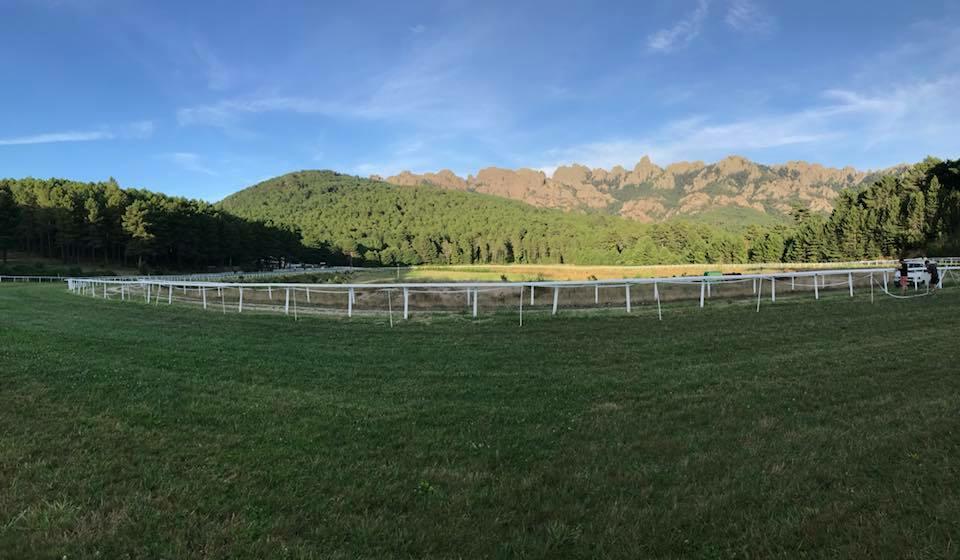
808,430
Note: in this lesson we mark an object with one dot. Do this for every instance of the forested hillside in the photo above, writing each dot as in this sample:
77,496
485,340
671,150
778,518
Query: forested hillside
917,211
326,216
382,223
87,222
913,210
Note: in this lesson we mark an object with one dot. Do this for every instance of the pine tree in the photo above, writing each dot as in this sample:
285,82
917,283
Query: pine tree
932,208
136,225
9,220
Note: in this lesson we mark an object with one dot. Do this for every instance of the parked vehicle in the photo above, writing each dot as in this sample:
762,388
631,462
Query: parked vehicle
916,273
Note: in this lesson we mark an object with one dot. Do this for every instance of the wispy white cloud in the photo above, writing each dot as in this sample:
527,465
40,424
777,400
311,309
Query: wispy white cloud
219,75
420,153
681,33
226,113
430,89
858,120
418,28
136,130
189,161
55,137
747,16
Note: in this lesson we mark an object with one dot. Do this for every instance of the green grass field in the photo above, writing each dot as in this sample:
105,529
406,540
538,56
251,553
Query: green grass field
809,430
529,273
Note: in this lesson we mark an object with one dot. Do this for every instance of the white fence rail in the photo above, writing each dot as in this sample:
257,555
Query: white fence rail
32,279
349,299
213,276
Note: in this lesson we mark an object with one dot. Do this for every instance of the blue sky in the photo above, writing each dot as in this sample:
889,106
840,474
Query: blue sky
203,98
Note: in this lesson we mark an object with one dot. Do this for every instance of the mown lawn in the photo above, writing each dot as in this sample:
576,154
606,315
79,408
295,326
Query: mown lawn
823,429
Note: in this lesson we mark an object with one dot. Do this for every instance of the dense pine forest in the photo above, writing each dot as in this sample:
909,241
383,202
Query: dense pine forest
101,222
380,223
325,216
914,211
911,213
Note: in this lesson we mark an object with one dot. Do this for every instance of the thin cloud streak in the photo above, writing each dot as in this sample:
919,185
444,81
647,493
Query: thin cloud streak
189,161
57,137
746,16
137,130
682,33
225,113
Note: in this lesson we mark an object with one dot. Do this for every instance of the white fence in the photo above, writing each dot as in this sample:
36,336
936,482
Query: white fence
31,279
213,276
550,296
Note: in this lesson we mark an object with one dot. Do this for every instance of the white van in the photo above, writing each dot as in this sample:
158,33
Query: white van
916,273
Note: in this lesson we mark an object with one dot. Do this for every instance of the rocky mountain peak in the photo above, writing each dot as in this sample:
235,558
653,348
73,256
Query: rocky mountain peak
651,193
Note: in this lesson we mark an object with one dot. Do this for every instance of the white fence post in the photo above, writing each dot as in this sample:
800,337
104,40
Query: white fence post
850,282
656,296
596,295
169,294
628,298
521,304
475,296
773,289
816,288
240,305
286,303
350,302
532,288
759,293
703,289
406,303
390,305
203,291
556,299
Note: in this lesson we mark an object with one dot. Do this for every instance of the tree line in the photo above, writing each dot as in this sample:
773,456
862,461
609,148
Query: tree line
915,212
325,216
102,222
381,224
